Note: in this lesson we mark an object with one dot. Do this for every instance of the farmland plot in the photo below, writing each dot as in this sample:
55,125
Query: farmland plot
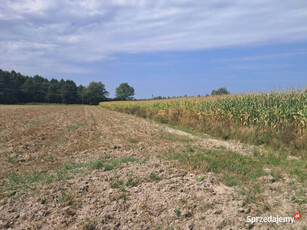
276,120
85,167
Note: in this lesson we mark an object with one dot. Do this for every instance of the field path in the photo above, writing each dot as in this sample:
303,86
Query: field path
211,143
85,167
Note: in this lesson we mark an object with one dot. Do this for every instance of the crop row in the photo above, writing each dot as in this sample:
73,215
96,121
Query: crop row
268,117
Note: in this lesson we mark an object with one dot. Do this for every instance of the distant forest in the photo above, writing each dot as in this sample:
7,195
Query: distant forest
16,88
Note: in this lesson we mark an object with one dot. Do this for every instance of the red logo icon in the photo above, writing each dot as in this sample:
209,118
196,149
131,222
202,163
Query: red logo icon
297,215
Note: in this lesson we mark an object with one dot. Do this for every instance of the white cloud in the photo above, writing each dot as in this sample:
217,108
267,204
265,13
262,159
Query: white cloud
74,31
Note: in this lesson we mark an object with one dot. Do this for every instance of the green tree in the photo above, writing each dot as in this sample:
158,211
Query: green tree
68,91
16,88
7,88
124,92
53,94
220,91
18,80
95,93
40,89
81,90
28,88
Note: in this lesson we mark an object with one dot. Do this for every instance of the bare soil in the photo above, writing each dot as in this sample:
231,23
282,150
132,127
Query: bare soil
147,192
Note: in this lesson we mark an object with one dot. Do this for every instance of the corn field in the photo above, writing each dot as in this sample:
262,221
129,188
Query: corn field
282,116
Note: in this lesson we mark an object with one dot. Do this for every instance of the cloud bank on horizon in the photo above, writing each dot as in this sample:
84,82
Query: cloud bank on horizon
58,35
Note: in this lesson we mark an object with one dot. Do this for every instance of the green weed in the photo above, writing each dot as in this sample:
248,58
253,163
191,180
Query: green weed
75,127
30,122
199,179
177,212
131,140
154,176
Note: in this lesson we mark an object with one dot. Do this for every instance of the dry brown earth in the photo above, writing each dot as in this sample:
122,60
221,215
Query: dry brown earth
51,175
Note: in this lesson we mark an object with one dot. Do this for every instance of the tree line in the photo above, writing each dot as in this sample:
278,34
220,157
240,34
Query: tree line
16,88
215,92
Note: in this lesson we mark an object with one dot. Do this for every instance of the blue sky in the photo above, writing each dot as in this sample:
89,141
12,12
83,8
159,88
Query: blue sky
161,48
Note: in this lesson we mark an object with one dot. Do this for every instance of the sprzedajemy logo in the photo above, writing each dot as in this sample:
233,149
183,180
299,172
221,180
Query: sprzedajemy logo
273,219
